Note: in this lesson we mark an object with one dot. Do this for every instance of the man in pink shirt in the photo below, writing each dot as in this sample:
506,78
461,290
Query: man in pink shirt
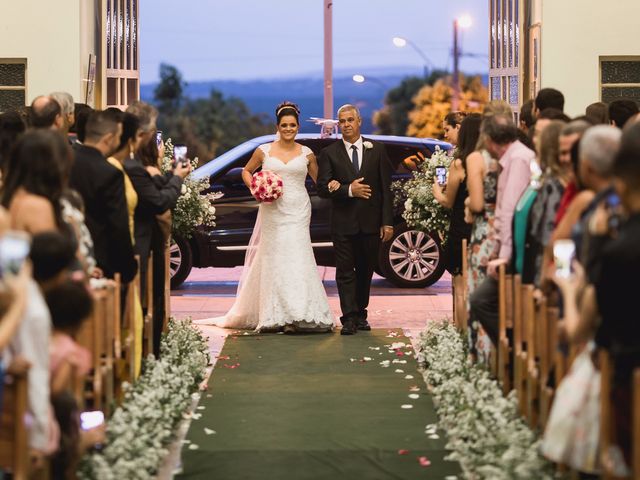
500,137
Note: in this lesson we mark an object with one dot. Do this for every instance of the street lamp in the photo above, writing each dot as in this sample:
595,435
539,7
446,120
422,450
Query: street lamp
464,21
402,42
359,78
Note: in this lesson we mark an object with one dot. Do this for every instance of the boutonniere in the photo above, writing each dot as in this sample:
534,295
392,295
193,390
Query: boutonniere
367,145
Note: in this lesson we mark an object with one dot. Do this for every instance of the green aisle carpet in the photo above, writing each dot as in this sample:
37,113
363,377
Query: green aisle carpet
298,407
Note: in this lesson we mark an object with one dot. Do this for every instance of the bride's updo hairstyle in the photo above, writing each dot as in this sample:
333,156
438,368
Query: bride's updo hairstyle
287,108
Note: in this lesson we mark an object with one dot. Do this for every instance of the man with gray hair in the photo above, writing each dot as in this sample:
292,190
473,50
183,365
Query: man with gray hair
65,100
355,173
597,151
501,141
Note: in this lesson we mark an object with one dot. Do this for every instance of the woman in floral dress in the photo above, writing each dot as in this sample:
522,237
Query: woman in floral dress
482,183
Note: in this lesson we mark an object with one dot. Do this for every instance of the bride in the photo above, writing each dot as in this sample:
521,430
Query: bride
280,288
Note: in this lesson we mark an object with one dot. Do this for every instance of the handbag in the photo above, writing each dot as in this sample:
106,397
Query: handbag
573,430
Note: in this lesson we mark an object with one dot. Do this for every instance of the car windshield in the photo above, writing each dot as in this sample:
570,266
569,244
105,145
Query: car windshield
223,161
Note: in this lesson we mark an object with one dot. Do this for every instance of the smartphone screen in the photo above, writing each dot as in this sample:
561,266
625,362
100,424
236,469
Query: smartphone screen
159,138
14,248
180,154
564,252
89,420
441,175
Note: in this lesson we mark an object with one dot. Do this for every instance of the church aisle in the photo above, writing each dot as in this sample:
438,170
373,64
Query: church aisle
315,407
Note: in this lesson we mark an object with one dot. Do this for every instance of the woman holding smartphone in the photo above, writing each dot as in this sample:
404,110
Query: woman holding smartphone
452,194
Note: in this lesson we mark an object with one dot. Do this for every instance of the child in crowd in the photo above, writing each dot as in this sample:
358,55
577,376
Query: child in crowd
70,304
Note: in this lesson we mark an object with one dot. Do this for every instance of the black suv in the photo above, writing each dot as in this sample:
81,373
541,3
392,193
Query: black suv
410,259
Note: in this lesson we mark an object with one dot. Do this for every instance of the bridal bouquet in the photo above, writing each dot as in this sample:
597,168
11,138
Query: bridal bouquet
194,208
266,186
421,210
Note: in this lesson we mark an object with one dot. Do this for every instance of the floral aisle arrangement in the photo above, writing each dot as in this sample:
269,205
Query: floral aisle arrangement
193,208
486,434
421,209
141,429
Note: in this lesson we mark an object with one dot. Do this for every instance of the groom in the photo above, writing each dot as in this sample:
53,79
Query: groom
355,174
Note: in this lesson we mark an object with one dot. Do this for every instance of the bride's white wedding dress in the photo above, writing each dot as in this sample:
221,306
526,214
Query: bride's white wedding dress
280,284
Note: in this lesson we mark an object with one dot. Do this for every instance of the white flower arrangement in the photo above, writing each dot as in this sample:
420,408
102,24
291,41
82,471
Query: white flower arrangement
421,210
486,434
193,209
367,145
142,427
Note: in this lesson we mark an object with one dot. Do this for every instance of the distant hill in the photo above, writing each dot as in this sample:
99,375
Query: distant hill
261,96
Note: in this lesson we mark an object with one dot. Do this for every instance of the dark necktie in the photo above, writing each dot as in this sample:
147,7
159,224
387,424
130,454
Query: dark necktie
354,158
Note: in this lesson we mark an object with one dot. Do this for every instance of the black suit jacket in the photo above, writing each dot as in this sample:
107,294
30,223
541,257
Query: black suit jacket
353,215
154,197
101,186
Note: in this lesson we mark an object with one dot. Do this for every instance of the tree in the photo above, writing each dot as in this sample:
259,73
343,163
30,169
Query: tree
393,118
208,126
169,92
433,102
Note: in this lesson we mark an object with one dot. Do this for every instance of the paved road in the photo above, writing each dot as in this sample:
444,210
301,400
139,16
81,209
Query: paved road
223,282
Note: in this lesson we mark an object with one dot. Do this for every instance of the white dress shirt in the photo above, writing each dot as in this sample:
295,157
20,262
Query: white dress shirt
360,149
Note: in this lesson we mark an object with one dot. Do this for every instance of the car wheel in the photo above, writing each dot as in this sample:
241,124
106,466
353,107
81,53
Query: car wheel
180,261
412,258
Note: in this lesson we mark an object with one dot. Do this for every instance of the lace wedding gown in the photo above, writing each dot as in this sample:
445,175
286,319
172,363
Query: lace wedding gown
280,283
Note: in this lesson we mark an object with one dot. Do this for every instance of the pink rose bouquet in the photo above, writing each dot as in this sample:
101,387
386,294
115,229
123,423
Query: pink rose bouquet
266,186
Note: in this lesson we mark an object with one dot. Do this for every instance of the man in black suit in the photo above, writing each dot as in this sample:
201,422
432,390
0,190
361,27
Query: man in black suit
101,186
355,174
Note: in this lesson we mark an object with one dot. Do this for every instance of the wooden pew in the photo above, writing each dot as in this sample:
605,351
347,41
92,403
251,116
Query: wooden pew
14,451
147,332
130,346
97,335
534,317
549,331
505,321
519,357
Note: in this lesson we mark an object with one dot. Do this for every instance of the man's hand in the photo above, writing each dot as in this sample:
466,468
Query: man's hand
493,265
386,232
359,189
333,185
182,170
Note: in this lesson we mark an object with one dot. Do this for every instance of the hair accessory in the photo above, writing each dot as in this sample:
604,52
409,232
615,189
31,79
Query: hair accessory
292,106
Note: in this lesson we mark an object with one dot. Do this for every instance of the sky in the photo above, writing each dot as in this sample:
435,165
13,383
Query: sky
253,39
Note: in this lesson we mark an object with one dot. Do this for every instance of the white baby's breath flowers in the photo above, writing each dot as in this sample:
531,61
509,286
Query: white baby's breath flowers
421,210
141,428
193,208
486,434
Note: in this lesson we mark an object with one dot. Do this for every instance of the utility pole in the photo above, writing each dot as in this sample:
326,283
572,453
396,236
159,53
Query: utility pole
455,99
328,58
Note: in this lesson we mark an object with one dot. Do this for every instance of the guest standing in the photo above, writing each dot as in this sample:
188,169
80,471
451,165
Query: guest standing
102,188
453,197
